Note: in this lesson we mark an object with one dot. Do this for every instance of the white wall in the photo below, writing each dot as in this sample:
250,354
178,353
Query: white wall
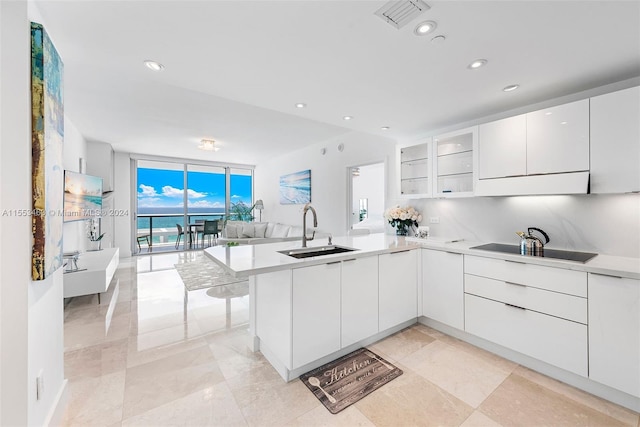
122,201
31,313
75,147
329,175
15,193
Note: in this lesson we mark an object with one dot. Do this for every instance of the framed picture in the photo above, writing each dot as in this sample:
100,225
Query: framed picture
295,188
47,123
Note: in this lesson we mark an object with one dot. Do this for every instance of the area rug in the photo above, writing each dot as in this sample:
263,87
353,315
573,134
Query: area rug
202,273
346,380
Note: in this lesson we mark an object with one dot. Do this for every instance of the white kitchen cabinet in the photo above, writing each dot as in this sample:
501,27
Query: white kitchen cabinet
315,312
536,310
558,139
359,299
398,288
415,169
455,163
442,287
502,148
615,142
614,332
556,341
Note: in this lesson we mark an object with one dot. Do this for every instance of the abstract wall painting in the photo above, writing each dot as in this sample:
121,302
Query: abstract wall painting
295,188
47,136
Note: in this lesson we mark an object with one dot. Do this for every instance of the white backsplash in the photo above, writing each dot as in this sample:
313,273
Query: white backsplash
606,224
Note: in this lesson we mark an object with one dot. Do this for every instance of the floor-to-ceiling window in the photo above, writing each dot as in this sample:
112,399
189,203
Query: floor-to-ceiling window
176,197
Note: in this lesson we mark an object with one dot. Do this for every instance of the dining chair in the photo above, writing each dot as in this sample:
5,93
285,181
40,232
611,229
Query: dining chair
210,229
180,234
198,229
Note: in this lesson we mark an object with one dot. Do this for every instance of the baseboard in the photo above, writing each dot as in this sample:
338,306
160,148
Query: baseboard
583,383
56,415
289,375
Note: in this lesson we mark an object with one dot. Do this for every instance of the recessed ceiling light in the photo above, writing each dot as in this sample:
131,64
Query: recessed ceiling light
301,105
347,118
208,145
438,39
548,113
477,64
563,123
153,65
510,88
425,27
385,128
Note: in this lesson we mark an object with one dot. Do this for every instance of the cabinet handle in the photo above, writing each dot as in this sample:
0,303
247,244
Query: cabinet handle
514,306
516,284
399,252
514,262
349,260
335,262
607,275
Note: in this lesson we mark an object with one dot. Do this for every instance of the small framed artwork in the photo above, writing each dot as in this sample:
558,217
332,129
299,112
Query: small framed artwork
295,188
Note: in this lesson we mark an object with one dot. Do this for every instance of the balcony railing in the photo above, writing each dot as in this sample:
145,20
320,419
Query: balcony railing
163,232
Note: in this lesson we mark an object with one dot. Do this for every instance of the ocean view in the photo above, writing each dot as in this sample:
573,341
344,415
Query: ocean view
172,216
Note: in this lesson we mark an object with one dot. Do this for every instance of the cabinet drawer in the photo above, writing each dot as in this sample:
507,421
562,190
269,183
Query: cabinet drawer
553,303
537,276
559,342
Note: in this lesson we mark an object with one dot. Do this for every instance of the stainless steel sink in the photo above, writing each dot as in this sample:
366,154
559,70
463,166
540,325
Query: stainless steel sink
317,251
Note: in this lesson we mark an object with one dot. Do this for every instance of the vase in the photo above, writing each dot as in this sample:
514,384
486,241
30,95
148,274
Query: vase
402,230
95,245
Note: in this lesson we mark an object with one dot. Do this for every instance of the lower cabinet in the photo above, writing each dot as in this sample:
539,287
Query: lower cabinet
614,332
359,299
398,288
442,287
535,310
315,312
556,341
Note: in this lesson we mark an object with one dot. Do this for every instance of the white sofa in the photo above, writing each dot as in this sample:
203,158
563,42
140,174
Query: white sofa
254,233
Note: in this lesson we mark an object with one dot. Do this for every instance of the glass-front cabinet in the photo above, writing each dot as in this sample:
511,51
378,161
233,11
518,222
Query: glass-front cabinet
415,170
455,163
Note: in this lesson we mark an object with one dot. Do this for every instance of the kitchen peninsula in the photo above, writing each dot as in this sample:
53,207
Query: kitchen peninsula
306,312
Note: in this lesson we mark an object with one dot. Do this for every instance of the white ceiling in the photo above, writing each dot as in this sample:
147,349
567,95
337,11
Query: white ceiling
235,69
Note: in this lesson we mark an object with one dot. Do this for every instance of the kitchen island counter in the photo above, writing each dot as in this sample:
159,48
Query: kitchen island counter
249,260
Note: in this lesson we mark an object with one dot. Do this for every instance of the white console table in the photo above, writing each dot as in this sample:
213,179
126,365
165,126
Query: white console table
96,269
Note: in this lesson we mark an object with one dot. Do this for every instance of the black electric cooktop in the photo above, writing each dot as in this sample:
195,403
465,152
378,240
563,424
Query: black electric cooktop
546,253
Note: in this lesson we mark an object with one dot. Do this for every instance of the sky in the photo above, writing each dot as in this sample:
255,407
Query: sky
164,189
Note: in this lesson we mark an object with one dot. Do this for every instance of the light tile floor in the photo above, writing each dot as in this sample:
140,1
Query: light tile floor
153,354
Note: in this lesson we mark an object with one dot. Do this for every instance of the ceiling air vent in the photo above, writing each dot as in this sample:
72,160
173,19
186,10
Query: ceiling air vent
399,13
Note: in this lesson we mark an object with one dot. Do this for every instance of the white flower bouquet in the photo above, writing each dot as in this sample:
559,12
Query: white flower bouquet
402,218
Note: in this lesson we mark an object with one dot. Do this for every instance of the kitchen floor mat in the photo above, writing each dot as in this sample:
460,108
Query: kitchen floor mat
346,380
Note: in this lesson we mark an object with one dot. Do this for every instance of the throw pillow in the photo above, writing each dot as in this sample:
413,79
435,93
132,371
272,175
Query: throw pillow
248,230
260,229
280,230
295,232
231,231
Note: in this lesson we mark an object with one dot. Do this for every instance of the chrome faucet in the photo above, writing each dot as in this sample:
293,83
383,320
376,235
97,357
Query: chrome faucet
308,207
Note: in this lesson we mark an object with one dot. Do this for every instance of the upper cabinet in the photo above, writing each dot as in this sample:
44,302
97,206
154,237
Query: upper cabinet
415,170
542,152
502,148
615,142
455,163
100,162
558,139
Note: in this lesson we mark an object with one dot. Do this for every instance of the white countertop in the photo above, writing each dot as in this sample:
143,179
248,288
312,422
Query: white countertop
247,260
601,264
